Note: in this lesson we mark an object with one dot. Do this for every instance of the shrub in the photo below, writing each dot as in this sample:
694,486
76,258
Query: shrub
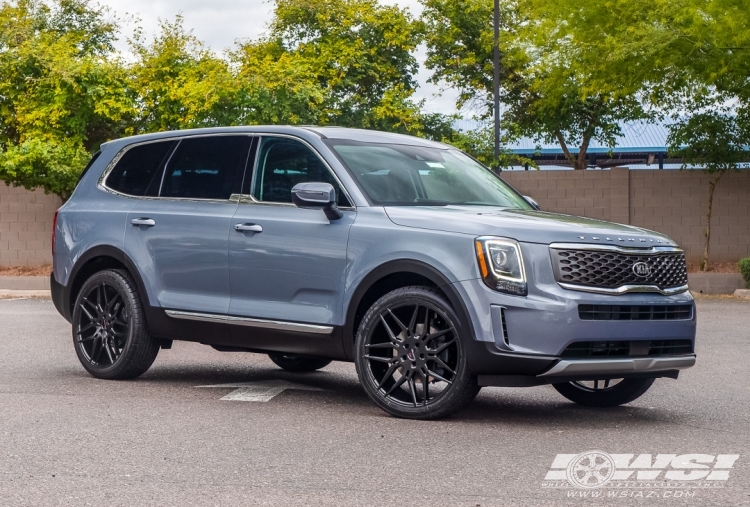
745,270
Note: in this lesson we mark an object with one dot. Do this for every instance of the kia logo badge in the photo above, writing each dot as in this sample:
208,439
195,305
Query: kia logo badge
641,269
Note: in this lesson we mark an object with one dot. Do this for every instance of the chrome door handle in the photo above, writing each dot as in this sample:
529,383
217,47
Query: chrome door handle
148,222
248,228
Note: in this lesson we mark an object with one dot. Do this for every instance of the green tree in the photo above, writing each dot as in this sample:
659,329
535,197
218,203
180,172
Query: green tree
333,62
178,83
690,59
545,91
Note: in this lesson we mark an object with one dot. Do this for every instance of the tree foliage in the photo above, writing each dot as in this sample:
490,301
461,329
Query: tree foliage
545,91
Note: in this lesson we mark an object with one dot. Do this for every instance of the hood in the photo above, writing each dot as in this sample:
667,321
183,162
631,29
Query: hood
523,225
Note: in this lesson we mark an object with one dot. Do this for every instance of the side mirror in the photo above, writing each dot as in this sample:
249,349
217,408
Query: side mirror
317,196
533,203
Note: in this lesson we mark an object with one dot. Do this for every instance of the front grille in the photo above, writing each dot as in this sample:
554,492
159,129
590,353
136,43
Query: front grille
635,312
639,348
614,269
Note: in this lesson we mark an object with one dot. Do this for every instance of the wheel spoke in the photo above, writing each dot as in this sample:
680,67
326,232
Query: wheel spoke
109,352
443,346
113,304
413,390
388,374
392,336
413,321
438,377
438,334
380,346
425,386
388,360
83,308
396,385
86,327
444,366
82,340
96,351
398,322
426,324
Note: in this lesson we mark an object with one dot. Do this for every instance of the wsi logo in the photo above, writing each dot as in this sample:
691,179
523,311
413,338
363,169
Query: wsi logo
596,469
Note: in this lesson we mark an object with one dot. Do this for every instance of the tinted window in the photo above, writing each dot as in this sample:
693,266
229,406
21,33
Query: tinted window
282,164
206,167
137,167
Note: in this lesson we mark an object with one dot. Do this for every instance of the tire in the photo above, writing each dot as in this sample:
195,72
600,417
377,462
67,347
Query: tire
293,362
410,357
109,329
623,392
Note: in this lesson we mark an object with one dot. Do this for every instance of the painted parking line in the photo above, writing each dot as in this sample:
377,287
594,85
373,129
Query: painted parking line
263,391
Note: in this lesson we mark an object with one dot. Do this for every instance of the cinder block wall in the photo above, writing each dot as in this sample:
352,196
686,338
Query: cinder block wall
26,226
672,202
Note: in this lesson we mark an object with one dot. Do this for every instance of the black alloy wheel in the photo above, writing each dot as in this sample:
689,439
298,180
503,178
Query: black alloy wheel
109,331
297,363
410,356
604,393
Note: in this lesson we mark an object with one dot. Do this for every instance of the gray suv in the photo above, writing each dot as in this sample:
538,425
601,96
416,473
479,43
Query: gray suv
405,256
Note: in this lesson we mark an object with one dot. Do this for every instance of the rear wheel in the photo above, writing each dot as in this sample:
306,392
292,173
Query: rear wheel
410,356
109,330
604,393
293,362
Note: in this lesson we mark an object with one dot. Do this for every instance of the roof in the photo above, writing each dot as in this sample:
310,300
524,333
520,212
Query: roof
636,137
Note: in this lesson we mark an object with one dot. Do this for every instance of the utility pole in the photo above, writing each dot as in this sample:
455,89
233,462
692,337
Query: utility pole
496,83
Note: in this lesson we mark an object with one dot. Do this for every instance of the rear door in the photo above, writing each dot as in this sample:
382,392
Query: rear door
179,239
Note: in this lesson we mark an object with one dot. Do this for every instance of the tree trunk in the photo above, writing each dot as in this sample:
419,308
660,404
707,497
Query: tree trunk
577,161
706,247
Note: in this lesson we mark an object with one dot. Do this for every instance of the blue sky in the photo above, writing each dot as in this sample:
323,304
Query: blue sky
219,23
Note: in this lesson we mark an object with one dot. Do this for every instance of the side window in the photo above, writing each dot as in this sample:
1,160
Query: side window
137,168
282,163
206,167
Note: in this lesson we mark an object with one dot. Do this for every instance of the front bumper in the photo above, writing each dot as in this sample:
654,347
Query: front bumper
522,339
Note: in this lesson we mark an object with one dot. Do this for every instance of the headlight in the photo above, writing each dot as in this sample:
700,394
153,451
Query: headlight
501,265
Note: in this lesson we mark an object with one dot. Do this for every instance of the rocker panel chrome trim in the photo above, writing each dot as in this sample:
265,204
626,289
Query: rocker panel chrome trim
250,322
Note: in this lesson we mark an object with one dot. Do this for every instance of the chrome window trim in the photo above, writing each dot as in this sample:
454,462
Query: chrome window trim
279,325
653,250
253,181
101,184
623,289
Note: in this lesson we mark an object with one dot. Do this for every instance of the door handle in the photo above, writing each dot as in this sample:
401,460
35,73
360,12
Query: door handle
248,228
148,222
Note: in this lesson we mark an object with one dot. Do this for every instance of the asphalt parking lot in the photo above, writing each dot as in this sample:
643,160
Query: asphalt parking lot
69,439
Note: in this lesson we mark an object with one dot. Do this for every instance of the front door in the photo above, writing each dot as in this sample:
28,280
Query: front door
287,264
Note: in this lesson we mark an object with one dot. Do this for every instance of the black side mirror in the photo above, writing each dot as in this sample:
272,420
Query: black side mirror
533,203
317,196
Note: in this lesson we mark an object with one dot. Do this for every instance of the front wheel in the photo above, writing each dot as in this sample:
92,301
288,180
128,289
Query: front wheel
410,356
109,329
604,393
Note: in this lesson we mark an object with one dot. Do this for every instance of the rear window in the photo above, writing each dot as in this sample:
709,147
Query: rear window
206,167
137,168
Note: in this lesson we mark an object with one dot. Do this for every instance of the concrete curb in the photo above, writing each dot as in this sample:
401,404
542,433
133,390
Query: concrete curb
742,293
715,283
24,282
7,293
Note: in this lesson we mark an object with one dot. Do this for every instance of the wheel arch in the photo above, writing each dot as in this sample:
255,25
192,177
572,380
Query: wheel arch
393,275
92,261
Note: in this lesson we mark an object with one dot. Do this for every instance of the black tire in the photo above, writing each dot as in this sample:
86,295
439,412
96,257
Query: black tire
293,362
109,329
391,357
625,391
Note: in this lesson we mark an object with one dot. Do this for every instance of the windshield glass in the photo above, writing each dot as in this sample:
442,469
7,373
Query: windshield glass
402,175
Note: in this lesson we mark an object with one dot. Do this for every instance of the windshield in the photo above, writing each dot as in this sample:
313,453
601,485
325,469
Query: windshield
401,175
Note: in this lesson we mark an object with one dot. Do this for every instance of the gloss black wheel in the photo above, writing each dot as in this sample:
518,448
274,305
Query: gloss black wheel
294,362
604,393
410,355
109,331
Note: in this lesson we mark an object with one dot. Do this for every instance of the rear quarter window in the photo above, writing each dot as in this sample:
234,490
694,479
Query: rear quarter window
136,172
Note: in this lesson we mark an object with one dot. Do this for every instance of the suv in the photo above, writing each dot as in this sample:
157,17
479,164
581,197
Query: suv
403,255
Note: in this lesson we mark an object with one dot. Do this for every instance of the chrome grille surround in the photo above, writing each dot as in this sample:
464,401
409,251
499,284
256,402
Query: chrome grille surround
608,269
